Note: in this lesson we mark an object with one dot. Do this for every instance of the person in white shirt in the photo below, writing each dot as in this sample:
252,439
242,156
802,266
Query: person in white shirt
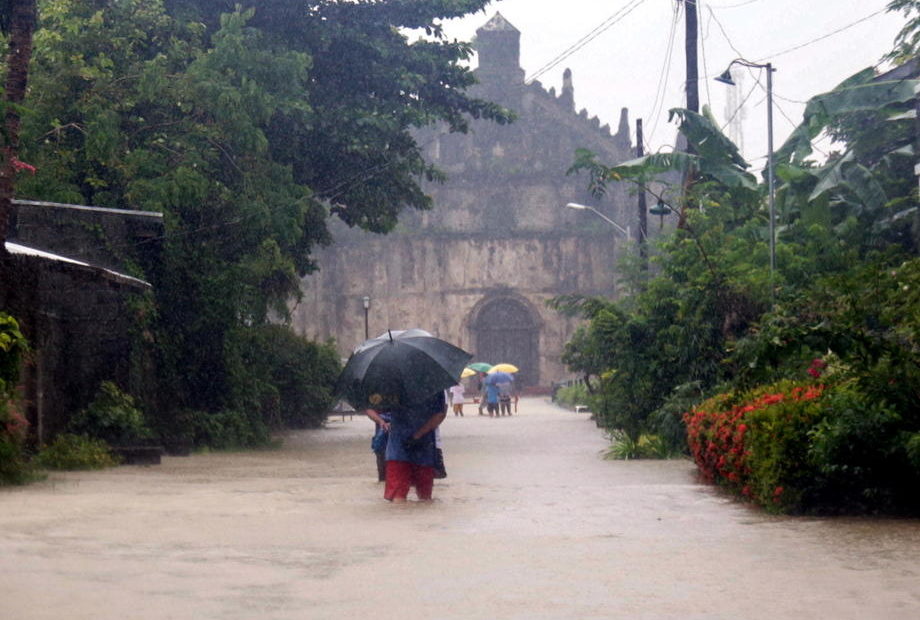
456,399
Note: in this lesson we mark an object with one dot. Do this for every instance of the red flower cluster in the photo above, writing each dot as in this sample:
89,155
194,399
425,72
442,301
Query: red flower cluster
718,438
21,165
15,426
817,367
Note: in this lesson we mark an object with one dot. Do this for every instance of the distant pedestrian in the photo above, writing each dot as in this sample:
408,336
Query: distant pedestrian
505,389
492,398
456,399
481,390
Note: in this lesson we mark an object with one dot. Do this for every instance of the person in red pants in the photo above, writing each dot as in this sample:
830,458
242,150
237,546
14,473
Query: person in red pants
411,453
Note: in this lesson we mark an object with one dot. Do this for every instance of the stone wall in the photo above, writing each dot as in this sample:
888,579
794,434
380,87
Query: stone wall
67,285
80,322
498,242
442,282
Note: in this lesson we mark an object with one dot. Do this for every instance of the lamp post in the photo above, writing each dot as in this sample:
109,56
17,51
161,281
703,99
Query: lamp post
726,78
624,231
367,306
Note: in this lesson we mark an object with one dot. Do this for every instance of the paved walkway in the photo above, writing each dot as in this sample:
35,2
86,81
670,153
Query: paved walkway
531,523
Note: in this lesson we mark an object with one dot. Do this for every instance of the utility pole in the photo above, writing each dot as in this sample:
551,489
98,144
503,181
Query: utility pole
642,235
691,46
693,95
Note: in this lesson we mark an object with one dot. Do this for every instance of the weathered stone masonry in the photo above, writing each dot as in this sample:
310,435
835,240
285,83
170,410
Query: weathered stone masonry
478,268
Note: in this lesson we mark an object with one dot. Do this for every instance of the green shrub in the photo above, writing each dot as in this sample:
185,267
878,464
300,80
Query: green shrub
286,378
801,448
14,468
76,452
112,417
647,447
226,430
861,453
571,395
782,475
667,422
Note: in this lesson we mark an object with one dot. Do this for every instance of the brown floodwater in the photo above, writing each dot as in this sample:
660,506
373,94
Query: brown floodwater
531,523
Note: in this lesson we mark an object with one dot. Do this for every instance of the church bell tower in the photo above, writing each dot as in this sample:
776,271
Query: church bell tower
498,44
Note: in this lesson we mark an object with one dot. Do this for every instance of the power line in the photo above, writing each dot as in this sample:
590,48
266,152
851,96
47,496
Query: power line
735,6
663,76
699,10
596,32
740,106
822,37
724,34
791,122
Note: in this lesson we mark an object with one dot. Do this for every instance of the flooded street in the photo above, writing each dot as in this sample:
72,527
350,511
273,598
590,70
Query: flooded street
531,523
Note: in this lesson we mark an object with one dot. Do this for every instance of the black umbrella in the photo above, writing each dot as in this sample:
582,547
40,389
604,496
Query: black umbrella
400,368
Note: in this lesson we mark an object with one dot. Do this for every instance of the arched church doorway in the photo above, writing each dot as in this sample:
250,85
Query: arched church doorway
505,330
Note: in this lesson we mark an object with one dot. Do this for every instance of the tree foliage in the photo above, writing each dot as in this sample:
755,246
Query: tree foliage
247,124
710,318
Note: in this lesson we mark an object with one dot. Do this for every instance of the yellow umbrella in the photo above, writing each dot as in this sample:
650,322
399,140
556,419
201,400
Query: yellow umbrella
503,368
467,372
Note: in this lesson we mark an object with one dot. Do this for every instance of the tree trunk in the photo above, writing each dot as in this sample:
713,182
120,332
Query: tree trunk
21,24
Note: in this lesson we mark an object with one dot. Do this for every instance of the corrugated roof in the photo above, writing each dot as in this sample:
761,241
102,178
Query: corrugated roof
24,250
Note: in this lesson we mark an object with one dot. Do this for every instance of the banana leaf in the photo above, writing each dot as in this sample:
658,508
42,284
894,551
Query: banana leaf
857,93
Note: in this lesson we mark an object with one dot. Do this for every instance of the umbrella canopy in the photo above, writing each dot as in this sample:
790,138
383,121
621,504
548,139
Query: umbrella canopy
467,372
480,366
397,368
503,368
499,377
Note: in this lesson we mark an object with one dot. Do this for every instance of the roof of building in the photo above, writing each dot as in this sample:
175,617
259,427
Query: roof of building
24,250
498,23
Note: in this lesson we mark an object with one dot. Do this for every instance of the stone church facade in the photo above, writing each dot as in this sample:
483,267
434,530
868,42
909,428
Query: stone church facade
478,268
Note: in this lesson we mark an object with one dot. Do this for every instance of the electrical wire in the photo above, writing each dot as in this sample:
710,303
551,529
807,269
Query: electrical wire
724,34
735,6
739,108
699,11
664,75
822,37
593,34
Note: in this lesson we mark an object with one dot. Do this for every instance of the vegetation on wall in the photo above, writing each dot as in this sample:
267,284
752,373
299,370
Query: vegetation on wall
14,468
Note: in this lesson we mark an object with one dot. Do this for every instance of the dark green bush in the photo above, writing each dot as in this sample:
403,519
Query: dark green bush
571,395
112,417
860,452
226,430
76,452
285,377
14,468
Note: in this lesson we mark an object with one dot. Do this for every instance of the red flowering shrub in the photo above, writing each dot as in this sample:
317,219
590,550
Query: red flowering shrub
752,444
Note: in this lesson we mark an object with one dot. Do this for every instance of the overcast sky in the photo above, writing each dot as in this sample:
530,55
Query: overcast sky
626,64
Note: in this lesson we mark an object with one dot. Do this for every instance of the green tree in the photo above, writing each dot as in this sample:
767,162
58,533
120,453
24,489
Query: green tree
247,125
704,318
17,23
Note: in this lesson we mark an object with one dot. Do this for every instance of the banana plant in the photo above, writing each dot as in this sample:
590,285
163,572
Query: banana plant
867,179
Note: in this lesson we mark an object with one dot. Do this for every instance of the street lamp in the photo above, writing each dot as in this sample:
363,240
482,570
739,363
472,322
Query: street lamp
575,205
367,305
726,78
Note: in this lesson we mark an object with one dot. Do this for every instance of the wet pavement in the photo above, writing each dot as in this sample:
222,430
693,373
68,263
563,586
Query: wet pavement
530,523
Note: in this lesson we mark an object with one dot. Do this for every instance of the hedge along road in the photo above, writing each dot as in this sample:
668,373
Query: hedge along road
531,523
